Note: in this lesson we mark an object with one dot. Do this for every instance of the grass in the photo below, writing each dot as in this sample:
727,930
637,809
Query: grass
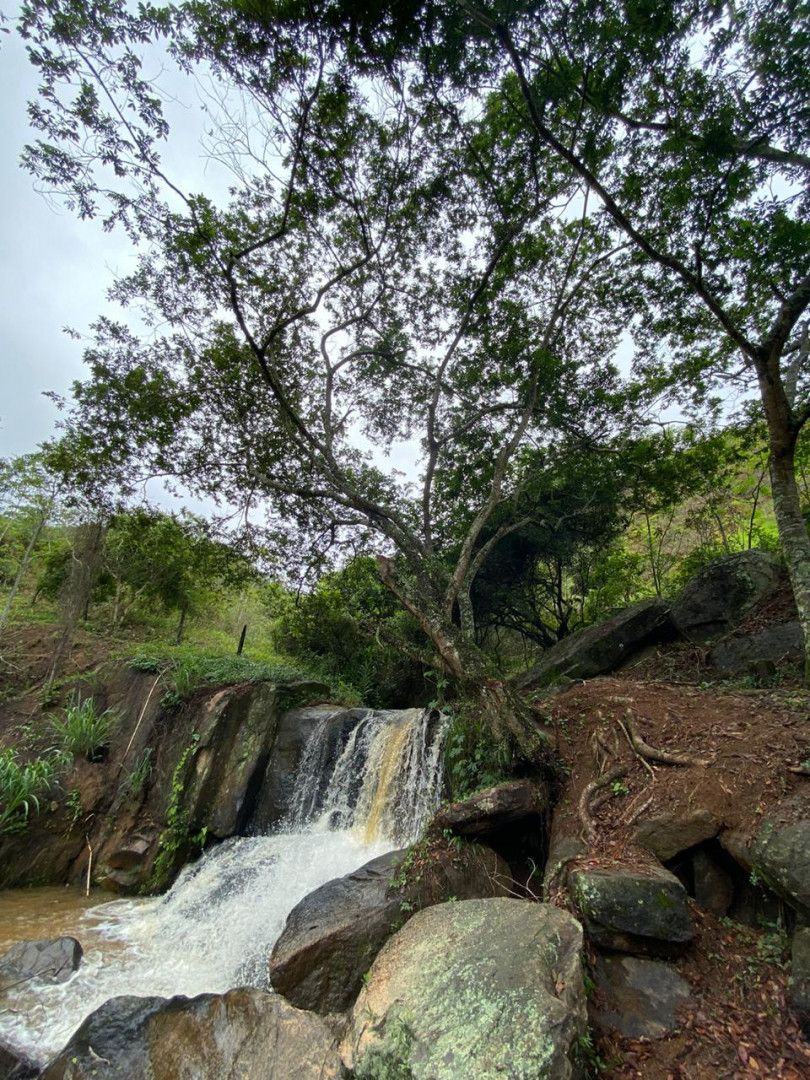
83,731
189,668
21,787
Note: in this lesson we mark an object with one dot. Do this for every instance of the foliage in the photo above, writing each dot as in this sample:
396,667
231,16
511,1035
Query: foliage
21,787
351,628
83,731
474,758
139,775
176,839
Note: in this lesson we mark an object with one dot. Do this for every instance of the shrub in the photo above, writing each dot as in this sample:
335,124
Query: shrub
21,786
84,731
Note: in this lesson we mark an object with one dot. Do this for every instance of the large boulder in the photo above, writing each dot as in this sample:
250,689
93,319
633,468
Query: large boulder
674,830
601,649
639,998
496,808
332,936
631,909
780,854
478,989
719,595
243,1035
52,960
774,645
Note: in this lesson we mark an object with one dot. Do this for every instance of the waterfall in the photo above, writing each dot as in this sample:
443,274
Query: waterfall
216,926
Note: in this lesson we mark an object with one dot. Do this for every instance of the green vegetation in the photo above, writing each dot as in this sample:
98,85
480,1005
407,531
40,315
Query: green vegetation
83,731
22,785
176,839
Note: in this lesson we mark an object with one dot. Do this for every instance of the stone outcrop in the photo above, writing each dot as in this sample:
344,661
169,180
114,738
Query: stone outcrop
600,649
639,998
721,593
669,833
53,960
632,909
478,989
772,646
295,726
333,935
492,810
780,853
241,1034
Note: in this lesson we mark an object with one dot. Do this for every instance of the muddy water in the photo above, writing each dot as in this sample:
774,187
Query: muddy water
33,914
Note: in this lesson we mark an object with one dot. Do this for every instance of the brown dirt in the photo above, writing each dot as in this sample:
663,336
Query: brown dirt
739,1024
750,739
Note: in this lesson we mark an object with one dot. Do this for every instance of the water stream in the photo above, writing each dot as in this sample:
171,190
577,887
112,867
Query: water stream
216,927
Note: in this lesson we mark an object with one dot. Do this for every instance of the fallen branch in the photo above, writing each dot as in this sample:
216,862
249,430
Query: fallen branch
665,757
89,866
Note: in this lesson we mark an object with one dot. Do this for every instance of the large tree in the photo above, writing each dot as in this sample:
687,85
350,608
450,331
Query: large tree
688,122
390,266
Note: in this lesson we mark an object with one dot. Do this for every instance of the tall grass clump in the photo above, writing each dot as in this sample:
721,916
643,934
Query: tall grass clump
83,731
21,786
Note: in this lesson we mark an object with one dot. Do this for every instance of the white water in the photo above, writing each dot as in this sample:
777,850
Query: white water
216,927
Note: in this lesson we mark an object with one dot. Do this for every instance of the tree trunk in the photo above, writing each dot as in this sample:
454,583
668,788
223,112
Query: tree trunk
793,534
181,625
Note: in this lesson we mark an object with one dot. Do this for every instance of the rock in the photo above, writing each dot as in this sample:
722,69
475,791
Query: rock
667,835
52,961
332,936
275,796
800,977
716,598
512,818
475,990
243,1035
636,997
489,811
600,649
633,910
714,887
773,645
780,854
15,1065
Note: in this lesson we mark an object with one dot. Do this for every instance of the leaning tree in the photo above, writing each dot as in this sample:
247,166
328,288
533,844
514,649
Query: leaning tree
389,267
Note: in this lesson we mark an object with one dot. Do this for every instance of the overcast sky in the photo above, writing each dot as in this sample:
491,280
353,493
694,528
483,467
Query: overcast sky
54,272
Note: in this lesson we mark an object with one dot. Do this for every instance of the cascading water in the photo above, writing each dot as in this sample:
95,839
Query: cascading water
216,927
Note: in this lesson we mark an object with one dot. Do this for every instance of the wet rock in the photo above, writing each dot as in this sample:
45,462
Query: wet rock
633,910
332,936
52,961
667,835
493,809
754,652
277,785
15,1065
600,649
800,977
242,1034
780,853
720,594
478,989
639,998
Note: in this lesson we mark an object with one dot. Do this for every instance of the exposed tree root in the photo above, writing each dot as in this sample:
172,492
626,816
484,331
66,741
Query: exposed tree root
650,753
587,807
